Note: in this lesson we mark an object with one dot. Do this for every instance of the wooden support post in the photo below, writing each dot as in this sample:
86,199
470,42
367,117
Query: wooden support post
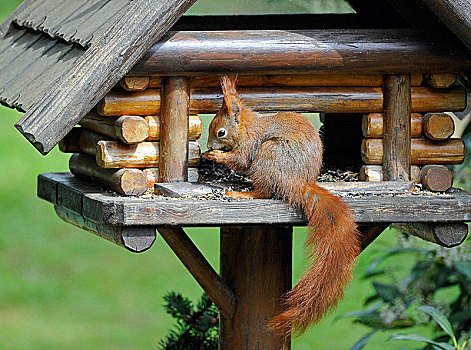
201,270
256,265
397,128
175,98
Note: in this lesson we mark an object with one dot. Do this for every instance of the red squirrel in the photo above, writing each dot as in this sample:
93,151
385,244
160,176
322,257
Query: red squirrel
282,154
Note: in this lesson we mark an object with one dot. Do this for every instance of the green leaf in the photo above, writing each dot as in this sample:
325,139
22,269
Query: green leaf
464,267
372,321
439,318
418,337
387,292
366,312
362,342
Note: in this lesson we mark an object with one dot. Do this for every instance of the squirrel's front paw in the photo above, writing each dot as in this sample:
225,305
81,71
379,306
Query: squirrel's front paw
215,155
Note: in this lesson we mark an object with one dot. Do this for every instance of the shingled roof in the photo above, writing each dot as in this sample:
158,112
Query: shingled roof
58,59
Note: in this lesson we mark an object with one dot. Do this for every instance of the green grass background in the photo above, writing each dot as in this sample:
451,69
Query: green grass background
64,288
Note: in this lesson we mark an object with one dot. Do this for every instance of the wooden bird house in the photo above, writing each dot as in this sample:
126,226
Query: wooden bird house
123,86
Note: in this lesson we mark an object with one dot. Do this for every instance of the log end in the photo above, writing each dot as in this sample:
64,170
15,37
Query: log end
134,130
441,80
438,126
134,83
133,182
450,235
138,239
436,178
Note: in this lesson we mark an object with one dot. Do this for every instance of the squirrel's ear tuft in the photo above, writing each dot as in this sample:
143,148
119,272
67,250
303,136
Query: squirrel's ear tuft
229,89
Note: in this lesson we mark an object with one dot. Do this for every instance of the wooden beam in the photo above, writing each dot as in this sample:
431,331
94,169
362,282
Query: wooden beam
455,14
6,24
127,128
300,99
380,51
374,173
174,153
424,151
106,208
136,239
445,234
129,182
372,125
101,67
290,80
201,270
256,265
397,128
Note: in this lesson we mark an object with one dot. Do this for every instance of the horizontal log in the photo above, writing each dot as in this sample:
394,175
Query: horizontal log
374,173
291,80
81,140
136,239
438,126
132,83
108,209
445,234
437,178
300,99
129,182
195,127
152,175
441,80
380,51
372,125
128,129
113,154
423,151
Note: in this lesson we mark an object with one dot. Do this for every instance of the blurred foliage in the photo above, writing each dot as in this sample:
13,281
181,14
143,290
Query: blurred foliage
440,277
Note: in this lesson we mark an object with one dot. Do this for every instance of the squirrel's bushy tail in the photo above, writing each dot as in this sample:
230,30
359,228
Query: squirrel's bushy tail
332,245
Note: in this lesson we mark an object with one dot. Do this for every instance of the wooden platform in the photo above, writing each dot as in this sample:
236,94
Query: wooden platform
107,208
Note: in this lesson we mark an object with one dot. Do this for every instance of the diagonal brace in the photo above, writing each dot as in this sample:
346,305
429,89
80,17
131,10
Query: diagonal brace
201,270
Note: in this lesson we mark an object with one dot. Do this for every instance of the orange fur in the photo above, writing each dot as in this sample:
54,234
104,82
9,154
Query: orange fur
282,154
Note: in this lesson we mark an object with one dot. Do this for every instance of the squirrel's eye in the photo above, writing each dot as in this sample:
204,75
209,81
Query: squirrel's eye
221,132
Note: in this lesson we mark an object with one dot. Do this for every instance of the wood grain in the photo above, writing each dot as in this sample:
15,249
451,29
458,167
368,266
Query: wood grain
445,234
195,127
101,67
152,175
436,178
136,239
397,128
129,182
108,209
300,99
174,153
372,125
132,83
423,151
128,129
256,265
440,80
114,154
438,126
455,14
379,51
374,173
201,270
290,80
